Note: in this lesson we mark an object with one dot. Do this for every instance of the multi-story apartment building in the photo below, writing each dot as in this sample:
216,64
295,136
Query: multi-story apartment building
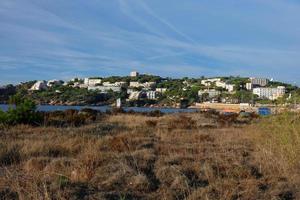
152,95
270,93
256,82
259,81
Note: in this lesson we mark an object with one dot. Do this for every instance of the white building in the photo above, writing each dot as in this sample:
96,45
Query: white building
249,86
211,92
105,89
120,84
161,90
79,85
135,95
39,85
135,84
229,87
92,81
134,74
210,81
116,84
149,84
52,83
130,90
221,84
152,95
256,82
76,79
119,103
270,93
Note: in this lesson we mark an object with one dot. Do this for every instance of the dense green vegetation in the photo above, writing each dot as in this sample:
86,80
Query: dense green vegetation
21,111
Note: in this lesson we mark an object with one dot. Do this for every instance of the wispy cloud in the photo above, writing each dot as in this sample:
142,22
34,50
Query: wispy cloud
55,39
164,21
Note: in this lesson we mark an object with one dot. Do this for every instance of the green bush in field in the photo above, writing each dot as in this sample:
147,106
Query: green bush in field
3,117
21,111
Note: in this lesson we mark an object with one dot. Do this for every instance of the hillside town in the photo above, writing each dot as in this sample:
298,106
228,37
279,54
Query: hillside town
148,90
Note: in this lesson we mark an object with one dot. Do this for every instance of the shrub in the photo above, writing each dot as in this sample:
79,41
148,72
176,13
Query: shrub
181,122
73,118
115,111
62,181
90,114
151,123
68,118
155,113
9,155
3,117
8,194
22,111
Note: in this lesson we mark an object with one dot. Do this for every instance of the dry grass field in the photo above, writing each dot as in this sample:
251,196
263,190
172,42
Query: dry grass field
178,156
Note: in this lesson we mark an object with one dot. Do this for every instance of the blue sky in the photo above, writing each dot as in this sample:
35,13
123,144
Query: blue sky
46,39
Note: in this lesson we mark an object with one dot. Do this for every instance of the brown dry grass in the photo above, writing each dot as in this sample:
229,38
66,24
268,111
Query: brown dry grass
180,156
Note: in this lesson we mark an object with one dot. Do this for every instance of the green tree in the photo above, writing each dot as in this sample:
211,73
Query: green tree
244,96
21,111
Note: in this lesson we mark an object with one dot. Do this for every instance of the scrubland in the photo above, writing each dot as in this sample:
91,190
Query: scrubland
132,156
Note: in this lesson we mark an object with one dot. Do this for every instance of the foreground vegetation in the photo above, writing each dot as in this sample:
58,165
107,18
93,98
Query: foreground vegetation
132,156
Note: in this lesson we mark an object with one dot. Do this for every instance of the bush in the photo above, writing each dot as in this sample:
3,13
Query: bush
151,123
70,117
181,122
9,155
90,113
155,113
21,111
115,111
3,117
